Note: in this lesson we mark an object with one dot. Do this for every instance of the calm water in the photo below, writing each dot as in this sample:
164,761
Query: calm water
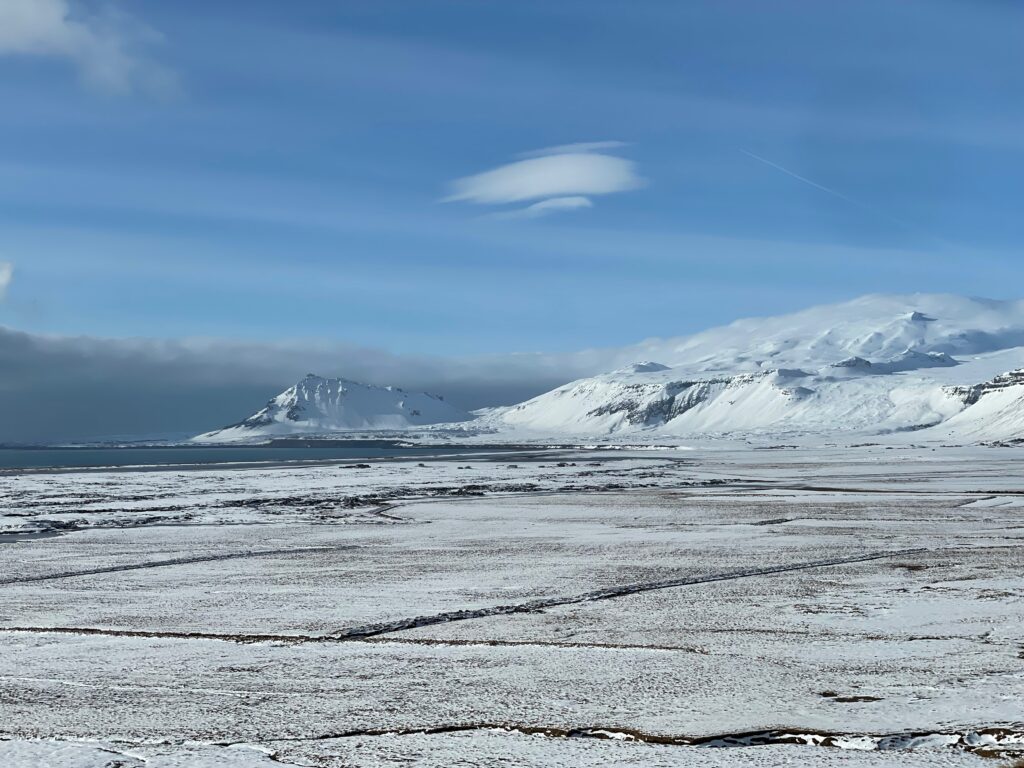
41,458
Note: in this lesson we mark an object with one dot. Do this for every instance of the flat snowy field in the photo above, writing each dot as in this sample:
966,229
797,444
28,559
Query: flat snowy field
857,607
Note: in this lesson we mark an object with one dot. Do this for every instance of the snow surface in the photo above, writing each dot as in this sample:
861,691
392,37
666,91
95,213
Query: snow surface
486,748
732,609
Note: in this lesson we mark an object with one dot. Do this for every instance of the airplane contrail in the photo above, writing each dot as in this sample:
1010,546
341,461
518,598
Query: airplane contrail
853,201
804,179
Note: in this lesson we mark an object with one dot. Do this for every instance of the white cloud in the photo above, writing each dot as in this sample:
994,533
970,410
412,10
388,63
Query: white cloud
544,207
571,174
103,47
6,275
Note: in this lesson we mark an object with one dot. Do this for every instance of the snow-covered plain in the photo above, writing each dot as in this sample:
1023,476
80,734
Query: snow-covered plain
861,606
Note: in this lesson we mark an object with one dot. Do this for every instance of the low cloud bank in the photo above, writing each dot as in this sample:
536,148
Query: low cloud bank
77,388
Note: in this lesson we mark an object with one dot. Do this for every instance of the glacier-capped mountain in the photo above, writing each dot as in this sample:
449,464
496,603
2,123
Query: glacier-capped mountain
874,327
943,365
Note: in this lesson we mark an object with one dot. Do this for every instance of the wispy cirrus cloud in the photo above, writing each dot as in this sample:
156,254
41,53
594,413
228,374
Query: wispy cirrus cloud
559,178
106,48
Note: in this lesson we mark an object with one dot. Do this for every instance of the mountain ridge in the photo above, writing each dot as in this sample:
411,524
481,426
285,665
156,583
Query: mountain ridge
875,365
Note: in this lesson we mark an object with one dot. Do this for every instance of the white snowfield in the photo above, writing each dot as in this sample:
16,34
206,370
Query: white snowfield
316,405
922,364
855,607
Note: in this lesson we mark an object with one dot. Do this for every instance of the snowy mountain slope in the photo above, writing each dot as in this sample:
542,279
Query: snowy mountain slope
316,404
782,400
994,410
874,365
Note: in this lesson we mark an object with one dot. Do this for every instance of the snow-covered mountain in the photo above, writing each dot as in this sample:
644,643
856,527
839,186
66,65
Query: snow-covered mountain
943,367
318,405
874,327
874,365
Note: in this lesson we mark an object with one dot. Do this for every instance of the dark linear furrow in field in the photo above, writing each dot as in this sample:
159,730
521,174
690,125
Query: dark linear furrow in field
174,561
532,606
312,639
982,738
170,634
382,628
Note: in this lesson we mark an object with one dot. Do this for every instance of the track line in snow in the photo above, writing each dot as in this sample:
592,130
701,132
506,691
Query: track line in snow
315,639
242,693
175,561
170,634
366,631
608,593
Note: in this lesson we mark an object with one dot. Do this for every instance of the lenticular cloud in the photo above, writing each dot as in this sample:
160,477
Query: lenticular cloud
574,175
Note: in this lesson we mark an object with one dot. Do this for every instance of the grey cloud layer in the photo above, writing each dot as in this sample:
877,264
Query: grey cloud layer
65,388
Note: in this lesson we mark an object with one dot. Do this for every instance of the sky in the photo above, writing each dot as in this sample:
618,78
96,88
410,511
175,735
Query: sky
463,179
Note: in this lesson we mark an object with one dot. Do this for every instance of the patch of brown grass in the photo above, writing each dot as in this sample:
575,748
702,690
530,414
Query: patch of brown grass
910,566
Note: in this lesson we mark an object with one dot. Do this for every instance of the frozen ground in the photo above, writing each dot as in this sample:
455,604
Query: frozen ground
862,607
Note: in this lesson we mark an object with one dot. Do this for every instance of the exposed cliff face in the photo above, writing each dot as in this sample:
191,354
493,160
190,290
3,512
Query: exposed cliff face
993,410
970,395
657,400
857,395
658,404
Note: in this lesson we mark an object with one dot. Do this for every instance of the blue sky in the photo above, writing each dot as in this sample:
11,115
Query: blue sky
267,171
